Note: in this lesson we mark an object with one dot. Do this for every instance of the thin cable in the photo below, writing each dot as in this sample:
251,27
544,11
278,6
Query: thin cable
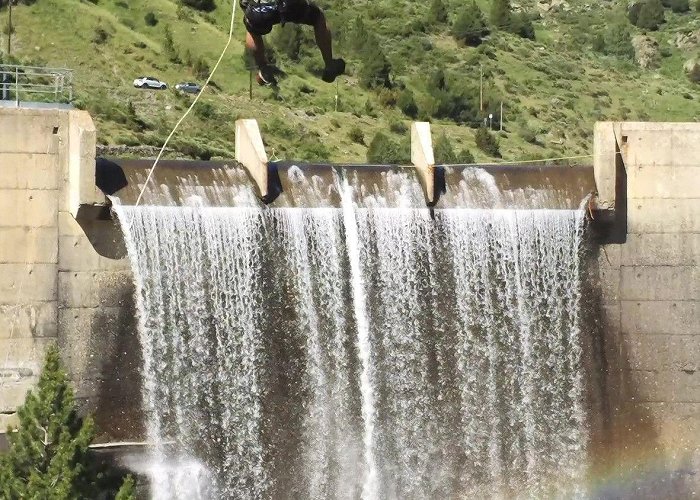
177,125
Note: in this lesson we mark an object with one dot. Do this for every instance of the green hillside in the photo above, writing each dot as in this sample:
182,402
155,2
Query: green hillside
579,68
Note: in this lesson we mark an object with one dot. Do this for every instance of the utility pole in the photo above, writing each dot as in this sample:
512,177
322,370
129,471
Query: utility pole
9,28
501,119
481,88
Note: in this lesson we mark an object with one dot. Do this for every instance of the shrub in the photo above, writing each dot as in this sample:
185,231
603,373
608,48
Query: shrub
407,103
288,40
399,128
204,110
384,150
487,142
470,26
437,13
203,5
356,135
522,26
697,5
443,150
500,15
618,42
680,6
150,19
651,15
466,156
375,71
200,68
101,35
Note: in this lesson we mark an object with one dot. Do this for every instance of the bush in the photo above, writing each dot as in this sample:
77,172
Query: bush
101,35
470,27
438,13
288,40
466,157
487,142
697,5
399,128
444,152
679,6
383,150
407,103
203,5
522,26
150,19
200,68
204,110
169,46
618,42
500,15
356,135
375,71
650,15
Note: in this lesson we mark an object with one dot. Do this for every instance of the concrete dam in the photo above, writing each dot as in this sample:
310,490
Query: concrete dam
258,329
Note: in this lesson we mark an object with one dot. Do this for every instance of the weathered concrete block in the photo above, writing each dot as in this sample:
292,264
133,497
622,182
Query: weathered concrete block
663,352
8,420
77,253
29,171
661,249
34,208
663,386
94,289
29,320
28,245
24,283
661,317
650,144
29,131
660,283
662,181
23,358
663,215
604,164
13,394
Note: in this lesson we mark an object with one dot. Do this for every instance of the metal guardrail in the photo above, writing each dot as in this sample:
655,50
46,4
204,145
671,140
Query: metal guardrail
35,84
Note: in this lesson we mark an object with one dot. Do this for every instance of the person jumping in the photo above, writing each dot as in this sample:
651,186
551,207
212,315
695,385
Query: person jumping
262,15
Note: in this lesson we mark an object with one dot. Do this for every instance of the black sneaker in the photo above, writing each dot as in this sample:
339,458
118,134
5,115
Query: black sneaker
333,70
266,76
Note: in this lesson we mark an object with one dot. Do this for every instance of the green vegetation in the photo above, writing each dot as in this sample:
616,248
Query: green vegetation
49,455
557,71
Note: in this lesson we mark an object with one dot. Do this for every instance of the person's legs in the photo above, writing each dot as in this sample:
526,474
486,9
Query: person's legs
324,39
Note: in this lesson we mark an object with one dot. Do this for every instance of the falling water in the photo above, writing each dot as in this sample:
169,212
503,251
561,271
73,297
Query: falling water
376,350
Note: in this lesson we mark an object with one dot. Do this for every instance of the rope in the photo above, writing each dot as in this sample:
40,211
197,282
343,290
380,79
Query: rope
196,99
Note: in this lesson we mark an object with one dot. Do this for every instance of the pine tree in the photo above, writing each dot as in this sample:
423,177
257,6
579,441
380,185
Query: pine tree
501,13
49,454
437,13
289,40
444,152
169,46
383,150
127,491
470,25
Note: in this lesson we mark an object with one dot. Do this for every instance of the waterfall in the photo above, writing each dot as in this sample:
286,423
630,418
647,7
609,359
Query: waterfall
374,351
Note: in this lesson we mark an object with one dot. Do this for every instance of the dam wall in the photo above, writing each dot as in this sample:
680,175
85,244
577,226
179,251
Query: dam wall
64,276
61,280
650,284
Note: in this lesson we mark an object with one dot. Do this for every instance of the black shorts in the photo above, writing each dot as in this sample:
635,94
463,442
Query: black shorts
261,17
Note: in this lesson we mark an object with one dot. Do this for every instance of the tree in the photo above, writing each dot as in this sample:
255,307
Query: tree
617,42
443,150
651,15
470,25
169,46
150,19
466,157
437,13
486,141
49,455
205,5
375,70
501,12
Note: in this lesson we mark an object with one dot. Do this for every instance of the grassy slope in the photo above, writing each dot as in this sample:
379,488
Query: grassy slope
555,87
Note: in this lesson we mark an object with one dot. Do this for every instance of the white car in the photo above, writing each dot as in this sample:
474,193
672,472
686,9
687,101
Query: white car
148,82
